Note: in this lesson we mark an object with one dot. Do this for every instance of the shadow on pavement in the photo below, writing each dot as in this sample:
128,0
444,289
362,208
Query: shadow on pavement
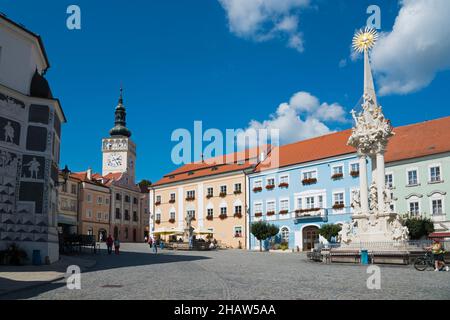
104,261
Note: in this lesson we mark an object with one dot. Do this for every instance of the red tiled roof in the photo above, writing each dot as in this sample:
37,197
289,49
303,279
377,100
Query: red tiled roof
237,161
411,141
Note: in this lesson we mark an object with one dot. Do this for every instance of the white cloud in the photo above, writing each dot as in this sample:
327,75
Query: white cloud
262,20
303,117
408,58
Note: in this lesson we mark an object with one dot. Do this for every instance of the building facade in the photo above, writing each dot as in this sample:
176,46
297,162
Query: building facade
30,137
68,205
311,187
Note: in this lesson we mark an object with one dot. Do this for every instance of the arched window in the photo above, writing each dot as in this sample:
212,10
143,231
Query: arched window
285,234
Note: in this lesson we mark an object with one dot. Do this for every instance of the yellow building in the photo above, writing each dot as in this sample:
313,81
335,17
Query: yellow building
213,192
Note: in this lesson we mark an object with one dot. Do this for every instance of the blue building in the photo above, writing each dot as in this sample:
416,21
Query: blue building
301,186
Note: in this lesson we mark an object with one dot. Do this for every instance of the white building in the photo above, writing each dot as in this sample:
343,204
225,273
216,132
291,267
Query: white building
30,131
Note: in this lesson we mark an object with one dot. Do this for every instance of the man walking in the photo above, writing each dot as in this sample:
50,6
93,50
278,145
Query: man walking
109,244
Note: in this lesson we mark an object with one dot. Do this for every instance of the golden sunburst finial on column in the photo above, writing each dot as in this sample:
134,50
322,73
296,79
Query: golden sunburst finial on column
364,39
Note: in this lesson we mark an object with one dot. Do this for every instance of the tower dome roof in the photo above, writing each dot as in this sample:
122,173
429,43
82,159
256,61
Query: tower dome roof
120,125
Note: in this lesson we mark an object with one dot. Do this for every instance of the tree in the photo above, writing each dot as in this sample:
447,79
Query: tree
145,184
262,230
329,230
419,227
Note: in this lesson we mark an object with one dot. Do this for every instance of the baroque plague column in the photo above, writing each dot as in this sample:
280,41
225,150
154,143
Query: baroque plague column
373,219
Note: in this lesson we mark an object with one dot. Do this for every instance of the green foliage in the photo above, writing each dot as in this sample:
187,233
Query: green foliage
329,230
419,227
14,255
145,183
284,246
262,230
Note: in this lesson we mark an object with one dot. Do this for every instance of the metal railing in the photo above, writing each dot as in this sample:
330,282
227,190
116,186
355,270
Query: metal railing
411,245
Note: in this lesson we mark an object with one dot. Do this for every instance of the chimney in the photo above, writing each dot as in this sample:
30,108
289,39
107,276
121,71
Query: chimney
89,173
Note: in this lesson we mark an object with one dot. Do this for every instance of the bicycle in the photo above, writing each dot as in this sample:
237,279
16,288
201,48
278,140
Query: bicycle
425,262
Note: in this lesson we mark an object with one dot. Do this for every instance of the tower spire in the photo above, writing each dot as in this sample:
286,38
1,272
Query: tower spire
120,124
369,87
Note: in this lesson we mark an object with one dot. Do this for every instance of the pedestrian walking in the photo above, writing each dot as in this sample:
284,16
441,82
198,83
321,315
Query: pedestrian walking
109,244
155,246
116,245
150,242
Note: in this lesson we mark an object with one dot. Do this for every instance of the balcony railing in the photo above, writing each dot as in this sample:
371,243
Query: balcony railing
439,217
310,213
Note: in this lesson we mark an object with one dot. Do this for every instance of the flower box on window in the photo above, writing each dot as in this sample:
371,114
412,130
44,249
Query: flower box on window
157,203
157,221
190,198
172,220
257,189
270,213
238,215
270,187
337,176
210,218
238,235
338,206
193,219
172,201
307,210
223,216
209,196
354,174
283,185
284,212
309,181
223,194
237,192
258,214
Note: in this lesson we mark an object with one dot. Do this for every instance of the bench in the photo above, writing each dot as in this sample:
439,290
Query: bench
347,256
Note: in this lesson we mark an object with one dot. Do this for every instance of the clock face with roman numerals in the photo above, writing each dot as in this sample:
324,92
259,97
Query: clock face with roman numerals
114,160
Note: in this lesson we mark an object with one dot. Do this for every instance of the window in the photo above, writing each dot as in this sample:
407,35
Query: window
285,235
412,178
270,206
89,213
127,215
435,174
89,197
210,192
437,207
158,199
172,197
299,203
237,188
284,180
309,175
223,189
339,198
191,213
99,216
210,212
389,180
310,203
190,194
238,232
223,211
99,200
64,187
135,216
284,205
126,233
118,197
107,200
118,213
135,200
73,189
90,232
257,184
127,198
338,170
270,181
237,209
414,208
354,167
172,215
258,208
158,217
320,200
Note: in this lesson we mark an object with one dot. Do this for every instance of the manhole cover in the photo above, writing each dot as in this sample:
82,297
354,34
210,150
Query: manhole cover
112,286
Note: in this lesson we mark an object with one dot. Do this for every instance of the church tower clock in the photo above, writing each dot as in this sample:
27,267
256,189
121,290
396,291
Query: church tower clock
119,151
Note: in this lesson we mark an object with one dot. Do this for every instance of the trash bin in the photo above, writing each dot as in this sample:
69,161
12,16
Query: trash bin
37,261
364,257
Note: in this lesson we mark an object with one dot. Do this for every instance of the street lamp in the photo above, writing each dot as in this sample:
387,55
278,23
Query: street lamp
65,174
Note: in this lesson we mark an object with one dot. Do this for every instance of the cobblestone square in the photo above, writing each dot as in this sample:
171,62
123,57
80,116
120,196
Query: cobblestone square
137,273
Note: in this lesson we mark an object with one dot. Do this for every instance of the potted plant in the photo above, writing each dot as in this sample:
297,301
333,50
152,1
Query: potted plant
157,203
209,217
270,213
309,181
284,212
172,220
270,187
223,194
258,214
209,196
283,185
337,176
15,255
237,192
190,198
354,174
238,215
157,221
338,206
172,201
223,216
257,189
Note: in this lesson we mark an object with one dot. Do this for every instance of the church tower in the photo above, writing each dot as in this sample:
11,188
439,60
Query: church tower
119,151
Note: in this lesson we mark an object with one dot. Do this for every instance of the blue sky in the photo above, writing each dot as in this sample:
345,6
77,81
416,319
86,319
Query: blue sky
181,61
